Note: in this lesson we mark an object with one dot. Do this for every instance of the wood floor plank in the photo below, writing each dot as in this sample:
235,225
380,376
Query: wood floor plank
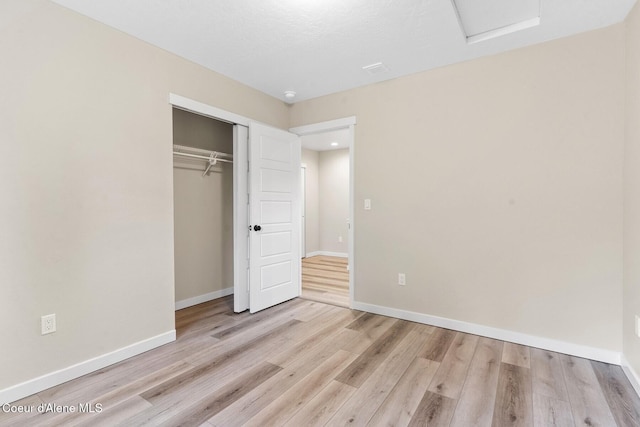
113,415
209,325
340,264
358,371
623,401
261,331
367,322
202,312
365,401
171,397
434,410
400,406
291,401
332,330
328,260
547,376
94,415
266,393
324,282
325,272
323,406
315,309
116,396
551,412
516,354
97,383
176,385
370,328
327,297
514,400
352,341
437,345
218,305
11,419
326,279
453,369
589,407
209,406
477,399
260,319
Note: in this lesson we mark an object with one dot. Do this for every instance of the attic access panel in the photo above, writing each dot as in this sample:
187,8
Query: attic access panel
485,19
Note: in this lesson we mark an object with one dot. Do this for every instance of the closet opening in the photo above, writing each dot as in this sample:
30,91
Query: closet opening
203,193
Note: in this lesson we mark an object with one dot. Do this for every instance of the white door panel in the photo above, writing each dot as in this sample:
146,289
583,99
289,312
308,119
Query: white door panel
276,274
275,181
272,149
274,200
276,212
275,244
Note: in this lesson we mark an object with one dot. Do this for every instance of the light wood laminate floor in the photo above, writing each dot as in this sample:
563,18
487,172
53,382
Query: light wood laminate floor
326,279
305,363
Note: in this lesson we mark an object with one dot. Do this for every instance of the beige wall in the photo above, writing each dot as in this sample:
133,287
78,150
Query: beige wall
86,184
310,159
632,193
203,209
197,131
496,186
334,200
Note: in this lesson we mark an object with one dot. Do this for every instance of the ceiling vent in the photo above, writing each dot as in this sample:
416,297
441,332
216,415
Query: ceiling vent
486,19
374,69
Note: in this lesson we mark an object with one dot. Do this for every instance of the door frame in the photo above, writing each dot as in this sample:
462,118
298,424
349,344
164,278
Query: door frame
240,191
338,124
303,211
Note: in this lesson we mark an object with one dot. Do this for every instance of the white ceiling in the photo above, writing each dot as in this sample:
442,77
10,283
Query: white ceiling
322,141
318,47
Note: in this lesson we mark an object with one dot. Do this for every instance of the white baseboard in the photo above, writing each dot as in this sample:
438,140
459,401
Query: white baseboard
579,350
634,379
203,298
328,253
36,385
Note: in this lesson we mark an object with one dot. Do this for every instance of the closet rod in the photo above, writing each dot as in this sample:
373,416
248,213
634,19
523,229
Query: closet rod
197,156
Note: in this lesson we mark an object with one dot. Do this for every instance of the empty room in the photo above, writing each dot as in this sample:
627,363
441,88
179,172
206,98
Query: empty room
159,203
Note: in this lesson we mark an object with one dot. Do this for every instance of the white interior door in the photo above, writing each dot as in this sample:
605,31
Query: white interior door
274,216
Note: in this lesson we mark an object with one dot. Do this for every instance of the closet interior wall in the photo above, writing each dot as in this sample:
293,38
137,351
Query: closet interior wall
203,212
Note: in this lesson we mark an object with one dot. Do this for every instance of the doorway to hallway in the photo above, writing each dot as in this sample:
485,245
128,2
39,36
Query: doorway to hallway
326,236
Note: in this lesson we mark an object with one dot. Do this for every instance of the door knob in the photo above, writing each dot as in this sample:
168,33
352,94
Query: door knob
257,228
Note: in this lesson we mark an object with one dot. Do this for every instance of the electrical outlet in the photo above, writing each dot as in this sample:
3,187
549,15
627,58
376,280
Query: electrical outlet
638,326
339,239
402,279
48,324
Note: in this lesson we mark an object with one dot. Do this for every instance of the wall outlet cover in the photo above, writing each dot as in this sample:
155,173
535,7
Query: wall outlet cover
48,324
